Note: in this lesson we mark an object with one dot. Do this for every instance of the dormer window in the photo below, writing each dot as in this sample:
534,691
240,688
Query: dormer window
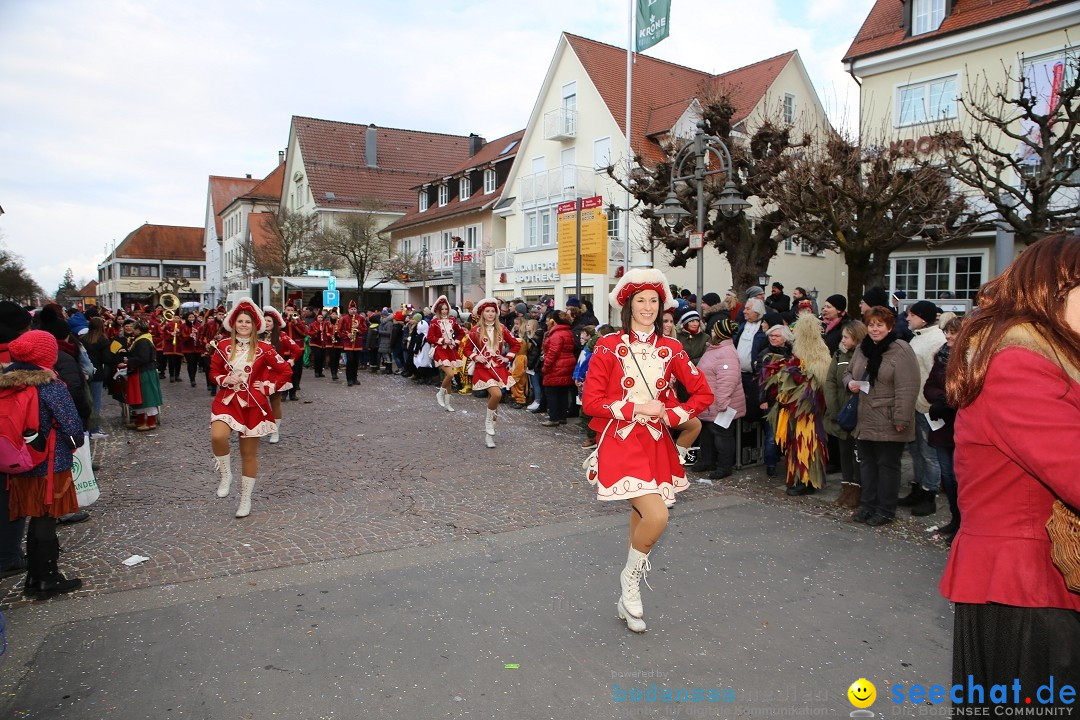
489,182
464,189
926,16
423,200
444,194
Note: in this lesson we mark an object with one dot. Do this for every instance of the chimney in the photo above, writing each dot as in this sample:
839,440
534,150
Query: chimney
475,143
247,175
280,156
371,155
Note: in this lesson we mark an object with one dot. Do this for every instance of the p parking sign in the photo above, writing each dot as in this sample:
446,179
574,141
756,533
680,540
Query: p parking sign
330,298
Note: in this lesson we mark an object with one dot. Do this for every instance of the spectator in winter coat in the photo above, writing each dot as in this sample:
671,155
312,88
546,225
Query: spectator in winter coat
778,343
941,440
834,315
712,309
532,347
386,342
749,341
926,341
720,366
777,301
558,368
397,336
690,334
836,396
14,321
67,360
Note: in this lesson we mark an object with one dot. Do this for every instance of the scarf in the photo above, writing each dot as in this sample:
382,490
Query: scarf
874,351
832,324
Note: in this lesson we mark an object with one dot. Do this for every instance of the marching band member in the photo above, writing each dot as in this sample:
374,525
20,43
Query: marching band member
157,333
491,352
629,397
190,345
170,333
443,335
211,334
249,372
297,331
352,330
333,342
316,341
288,350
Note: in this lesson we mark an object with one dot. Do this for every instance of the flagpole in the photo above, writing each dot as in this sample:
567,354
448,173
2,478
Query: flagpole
629,151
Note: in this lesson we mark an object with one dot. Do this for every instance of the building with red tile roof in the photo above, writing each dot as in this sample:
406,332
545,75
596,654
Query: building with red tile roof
148,255
87,295
220,191
237,258
914,61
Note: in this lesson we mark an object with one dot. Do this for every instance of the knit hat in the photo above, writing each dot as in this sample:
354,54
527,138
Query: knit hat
722,330
875,297
778,285
753,291
521,309
925,309
50,321
399,316
687,316
417,317
710,298
837,301
572,301
13,320
35,347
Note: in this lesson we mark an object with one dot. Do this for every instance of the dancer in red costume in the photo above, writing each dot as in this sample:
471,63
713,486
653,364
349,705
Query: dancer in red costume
491,349
444,334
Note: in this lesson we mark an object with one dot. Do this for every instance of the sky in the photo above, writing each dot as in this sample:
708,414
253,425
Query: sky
116,112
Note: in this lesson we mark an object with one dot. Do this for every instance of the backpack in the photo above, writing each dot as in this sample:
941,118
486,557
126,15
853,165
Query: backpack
19,421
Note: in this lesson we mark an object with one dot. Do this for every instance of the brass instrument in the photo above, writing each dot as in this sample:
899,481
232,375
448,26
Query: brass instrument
353,331
170,303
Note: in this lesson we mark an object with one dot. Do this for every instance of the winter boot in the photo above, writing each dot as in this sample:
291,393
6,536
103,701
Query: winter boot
439,395
274,436
913,498
446,401
926,506
247,484
632,623
489,428
224,468
292,394
687,455
637,565
140,421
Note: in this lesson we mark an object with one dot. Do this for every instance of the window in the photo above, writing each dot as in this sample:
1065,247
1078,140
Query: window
301,197
545,227
489,182
789,108
531,236
569,106
601,154
613,224
538,229
128,270
935,275
423,200
926,15
472,240
464,188
444,194
927,101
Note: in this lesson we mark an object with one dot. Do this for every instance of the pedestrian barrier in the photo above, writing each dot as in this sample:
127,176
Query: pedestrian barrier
749,444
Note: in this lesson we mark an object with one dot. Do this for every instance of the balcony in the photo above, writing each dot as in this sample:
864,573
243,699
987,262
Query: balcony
560,124
557,185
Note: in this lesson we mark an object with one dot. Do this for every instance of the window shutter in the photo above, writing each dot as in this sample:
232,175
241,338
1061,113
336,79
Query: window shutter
948,9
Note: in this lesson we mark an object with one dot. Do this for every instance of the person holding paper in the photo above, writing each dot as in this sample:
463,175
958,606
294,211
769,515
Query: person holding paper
886,413
942,419
720,366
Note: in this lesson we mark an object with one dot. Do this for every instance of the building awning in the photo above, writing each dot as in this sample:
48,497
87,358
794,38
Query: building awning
345,283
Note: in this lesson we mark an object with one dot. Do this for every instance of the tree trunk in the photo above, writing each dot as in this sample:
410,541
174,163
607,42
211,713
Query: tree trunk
858,267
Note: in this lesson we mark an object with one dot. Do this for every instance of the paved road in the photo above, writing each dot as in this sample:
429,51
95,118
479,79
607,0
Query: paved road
319,605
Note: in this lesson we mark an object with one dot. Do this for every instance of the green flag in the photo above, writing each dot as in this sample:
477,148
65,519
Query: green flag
653,19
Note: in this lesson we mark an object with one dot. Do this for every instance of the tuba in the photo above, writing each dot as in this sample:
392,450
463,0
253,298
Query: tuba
171,303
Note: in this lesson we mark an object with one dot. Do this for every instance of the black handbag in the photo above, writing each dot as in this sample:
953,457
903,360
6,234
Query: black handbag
848,417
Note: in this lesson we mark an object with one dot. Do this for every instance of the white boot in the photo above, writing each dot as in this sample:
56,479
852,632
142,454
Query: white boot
687,456
247,484
224,468
637,564
439,397
446,401
274,436
489,429
635,624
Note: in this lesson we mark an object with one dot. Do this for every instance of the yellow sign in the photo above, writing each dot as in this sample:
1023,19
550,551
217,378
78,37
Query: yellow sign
594,237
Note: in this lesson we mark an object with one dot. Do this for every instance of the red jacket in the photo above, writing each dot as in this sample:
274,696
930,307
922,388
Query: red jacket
559,360
1016,451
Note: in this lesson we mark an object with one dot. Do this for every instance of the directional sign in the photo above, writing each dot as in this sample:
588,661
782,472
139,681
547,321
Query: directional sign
331,283
330,298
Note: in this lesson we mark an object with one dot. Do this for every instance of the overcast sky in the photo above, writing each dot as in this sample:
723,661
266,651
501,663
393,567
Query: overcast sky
113,113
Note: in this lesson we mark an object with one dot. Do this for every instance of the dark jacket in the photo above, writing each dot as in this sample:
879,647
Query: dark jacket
778,303
760,361
67,367
386,332
834,336
559,358
934,392
99,355
836,392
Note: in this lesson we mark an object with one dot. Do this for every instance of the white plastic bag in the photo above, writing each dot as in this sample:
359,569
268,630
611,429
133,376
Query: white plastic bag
82,473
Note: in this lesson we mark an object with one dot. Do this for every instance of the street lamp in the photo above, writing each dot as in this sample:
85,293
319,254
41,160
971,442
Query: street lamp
730,202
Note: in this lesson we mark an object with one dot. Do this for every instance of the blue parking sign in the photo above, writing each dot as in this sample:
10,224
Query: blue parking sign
330,298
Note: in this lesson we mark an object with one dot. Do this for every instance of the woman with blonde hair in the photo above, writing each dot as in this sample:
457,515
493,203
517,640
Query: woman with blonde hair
1014,377
445,335
799,384
248,372
491,350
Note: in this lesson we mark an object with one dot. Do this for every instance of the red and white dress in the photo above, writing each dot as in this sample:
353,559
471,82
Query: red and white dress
244,405
635,454
444,334
491,359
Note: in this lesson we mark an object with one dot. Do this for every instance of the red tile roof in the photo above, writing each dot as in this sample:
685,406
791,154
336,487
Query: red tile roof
663,90
163,242
223,190
269,188
334,159
488,156
883,28
90,290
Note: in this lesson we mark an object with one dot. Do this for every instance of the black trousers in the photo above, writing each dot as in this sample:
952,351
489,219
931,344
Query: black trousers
42,548
297,373
192,360
558,397
723,441
174,365
352,364
334,360
849,465
11,531
318,359
879,468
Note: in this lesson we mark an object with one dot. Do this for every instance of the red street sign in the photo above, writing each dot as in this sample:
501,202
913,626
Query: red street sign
567,207
457,257
592,202
468,257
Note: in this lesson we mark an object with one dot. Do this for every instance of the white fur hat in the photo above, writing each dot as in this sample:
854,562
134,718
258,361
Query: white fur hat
642,279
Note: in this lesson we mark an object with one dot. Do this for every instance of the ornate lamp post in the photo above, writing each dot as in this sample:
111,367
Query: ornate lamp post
730,202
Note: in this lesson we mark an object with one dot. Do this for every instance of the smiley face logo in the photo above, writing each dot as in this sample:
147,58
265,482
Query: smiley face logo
862,693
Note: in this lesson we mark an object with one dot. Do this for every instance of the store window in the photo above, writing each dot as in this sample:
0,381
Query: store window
937,276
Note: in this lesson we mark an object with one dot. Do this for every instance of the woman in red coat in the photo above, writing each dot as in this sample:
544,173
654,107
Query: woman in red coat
558,367
445,335
1014,375
491,349
249,372
629,396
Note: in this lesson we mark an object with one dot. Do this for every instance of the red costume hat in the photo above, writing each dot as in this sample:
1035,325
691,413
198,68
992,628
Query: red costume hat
352,304
272,312
249,305
642,279
479,307
441,300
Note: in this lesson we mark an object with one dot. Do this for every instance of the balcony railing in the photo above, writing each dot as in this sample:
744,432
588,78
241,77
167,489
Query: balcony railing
560,124
557,185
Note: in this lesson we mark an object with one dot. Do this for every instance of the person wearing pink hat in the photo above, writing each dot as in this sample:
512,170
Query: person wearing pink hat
46,491
628,394
249,372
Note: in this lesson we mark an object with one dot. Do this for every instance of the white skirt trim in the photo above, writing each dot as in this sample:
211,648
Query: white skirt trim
485,384
261,430
632,487
450,363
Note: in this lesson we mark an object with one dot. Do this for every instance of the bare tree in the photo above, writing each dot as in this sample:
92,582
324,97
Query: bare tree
355,238
866,202
747,245
405,267
290,245
1018,148
16,284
